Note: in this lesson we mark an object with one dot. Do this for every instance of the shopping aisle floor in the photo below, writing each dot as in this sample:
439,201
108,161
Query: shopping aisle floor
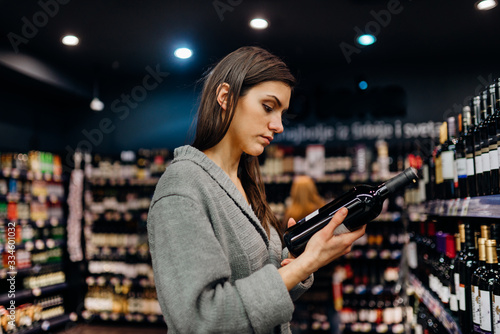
100,329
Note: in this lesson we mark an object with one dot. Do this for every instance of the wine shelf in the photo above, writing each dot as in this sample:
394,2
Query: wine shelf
478,207
434,305
31,293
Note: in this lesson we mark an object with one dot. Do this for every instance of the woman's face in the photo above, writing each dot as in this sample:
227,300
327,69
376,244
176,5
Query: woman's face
258,116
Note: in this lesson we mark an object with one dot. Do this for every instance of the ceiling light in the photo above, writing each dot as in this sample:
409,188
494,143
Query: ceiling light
183,53
96,104
259,24
70,40
366,39
363,85
486,4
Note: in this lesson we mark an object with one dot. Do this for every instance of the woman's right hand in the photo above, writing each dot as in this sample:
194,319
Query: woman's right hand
323,248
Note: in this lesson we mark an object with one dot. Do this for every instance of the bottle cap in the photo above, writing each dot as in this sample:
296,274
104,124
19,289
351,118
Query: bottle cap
405,178
485,231
491,251
481,242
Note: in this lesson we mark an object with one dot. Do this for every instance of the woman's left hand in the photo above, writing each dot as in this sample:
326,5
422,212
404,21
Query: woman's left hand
290,257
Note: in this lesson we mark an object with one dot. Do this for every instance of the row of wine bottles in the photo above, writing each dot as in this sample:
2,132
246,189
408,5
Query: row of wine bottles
461,269
466,163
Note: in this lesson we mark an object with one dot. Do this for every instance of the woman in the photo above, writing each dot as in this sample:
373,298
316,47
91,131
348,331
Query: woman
304,198
215,244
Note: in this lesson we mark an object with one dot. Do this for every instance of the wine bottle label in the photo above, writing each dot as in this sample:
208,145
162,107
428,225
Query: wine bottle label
439,170
453,303
341,229
493,159
447,164
496,313
462,168
311,215
476,305
470,167
412,255
479,164
445,294
484,297
457,284
486,161
461,297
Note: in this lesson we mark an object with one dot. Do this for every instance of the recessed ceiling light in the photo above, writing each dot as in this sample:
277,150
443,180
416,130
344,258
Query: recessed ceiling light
259,24
70,40
183,53
366,39
486,4
363,85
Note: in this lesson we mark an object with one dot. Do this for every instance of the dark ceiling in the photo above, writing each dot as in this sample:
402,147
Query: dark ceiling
121,38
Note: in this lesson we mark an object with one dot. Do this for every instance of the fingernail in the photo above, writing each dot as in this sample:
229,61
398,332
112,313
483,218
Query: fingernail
343,211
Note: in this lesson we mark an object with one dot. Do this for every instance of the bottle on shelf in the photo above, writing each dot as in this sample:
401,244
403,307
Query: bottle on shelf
468,261
476,276
448,158
493,132
485,147
478,160
438,162
486,286
470,152
461,153
454,277
364,203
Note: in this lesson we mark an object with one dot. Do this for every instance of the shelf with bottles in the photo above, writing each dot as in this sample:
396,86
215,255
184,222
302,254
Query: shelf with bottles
114,297
370,327
117,199
366,281
433,305
43,315
480,207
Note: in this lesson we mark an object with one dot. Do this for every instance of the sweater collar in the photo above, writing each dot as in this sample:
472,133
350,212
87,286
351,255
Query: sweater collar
194,155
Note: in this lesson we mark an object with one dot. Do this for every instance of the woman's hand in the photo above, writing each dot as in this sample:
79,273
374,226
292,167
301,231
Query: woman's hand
323,248
290,257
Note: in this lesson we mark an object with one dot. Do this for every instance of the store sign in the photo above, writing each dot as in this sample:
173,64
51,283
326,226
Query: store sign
325,133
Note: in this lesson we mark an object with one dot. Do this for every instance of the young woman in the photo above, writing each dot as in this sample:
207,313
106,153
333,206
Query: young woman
216,247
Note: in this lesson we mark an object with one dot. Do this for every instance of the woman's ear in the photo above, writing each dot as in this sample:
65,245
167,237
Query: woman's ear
222,95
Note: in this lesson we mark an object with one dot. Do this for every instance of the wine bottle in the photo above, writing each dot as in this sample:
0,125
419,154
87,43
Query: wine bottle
476,304
486,285
438,162
364,203
461,154
454,278
467,262
478,160
470,151
485,147
448,157
493,139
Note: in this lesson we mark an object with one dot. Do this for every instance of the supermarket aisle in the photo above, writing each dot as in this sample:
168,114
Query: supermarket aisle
101,329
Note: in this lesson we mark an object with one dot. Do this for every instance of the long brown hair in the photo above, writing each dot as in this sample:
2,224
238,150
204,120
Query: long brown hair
241,70
305,198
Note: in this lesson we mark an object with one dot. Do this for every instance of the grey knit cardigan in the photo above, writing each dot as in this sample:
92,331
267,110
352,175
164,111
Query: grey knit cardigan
215,269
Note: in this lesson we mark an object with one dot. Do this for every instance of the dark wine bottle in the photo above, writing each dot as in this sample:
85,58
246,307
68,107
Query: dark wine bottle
468,261
454,278
461,153
470,151
476,305
448,158
485,145
486,286
492,124
478,160
364,203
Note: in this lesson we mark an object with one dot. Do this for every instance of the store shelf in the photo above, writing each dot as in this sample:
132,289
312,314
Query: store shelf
434,305
32,293
478,207
120,317
49,324
33,270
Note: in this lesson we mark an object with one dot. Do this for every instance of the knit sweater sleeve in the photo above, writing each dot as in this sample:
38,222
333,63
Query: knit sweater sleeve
193,276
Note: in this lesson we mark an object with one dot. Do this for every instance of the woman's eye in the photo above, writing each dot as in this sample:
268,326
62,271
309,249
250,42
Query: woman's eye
267,108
